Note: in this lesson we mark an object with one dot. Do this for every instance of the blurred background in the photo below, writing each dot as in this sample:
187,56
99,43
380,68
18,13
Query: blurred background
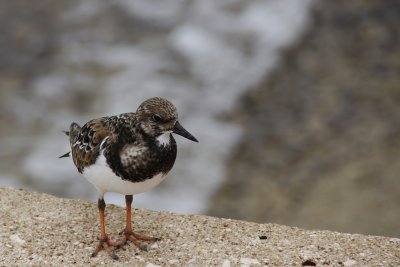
296,103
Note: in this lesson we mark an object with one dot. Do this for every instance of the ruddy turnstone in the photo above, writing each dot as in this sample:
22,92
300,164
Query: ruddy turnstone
128,154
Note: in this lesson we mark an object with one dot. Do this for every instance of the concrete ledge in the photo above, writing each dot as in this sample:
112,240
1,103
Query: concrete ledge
40,229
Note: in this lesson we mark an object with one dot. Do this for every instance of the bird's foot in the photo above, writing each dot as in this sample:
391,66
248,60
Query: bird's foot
108,246
137,239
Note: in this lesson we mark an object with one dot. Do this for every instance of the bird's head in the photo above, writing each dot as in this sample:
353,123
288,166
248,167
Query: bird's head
158,117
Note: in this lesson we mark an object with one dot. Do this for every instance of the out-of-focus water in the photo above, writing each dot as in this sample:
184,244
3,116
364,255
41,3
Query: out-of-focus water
202,55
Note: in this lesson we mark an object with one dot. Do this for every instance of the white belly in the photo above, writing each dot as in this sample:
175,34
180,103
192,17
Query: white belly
104,179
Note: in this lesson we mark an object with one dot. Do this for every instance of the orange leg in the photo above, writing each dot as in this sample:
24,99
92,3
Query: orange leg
105,243
128,234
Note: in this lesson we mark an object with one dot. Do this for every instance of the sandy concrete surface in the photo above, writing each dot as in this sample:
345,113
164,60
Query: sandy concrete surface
41,230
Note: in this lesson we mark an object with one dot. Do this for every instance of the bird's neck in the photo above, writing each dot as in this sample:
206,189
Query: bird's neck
164,139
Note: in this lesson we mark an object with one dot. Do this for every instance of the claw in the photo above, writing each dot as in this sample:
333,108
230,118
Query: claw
144,237
143,247
155,239
109,246
137,239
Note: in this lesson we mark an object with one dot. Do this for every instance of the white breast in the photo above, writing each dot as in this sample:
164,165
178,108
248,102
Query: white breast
104,179
164,139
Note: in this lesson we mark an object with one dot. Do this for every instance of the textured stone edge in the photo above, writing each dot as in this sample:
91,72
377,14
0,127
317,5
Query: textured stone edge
39,229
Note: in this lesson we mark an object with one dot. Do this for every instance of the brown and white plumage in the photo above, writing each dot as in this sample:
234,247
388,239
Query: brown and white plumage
127,154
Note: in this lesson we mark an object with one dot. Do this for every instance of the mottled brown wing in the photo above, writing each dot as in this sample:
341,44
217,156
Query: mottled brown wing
86,141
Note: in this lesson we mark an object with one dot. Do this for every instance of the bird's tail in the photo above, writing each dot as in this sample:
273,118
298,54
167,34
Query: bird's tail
66,155
73,134
74,131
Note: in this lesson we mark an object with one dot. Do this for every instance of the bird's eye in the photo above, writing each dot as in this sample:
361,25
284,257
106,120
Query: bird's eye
157,118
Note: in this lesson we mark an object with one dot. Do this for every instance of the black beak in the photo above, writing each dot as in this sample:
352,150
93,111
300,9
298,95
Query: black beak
178,129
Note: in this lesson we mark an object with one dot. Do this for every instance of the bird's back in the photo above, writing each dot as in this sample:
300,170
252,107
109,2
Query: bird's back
87,141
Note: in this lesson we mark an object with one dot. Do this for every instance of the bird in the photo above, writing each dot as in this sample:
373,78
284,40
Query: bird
129,154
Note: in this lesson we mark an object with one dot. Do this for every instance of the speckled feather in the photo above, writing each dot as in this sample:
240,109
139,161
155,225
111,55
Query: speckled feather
128,142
